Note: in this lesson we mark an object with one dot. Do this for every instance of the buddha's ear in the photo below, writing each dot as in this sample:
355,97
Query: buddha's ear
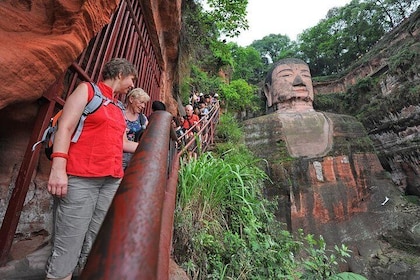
267,90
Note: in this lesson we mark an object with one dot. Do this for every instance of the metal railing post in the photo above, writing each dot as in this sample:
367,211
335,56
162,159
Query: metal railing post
127,245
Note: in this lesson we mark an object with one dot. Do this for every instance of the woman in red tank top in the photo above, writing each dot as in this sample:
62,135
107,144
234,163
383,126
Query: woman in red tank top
85,175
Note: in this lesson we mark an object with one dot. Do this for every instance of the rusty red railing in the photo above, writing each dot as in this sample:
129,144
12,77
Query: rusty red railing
127,245
204,138
135,240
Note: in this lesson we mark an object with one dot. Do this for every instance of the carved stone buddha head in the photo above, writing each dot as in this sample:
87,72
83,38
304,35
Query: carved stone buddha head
288,86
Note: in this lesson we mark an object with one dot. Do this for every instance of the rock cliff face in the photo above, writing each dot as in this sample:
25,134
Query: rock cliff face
344,195
41,39
397,141
390,109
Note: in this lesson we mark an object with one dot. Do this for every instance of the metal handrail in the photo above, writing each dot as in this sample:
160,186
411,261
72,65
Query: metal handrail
135,239
206,131
127,245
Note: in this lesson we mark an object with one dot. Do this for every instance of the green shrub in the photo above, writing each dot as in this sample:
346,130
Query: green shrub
228,130
332,102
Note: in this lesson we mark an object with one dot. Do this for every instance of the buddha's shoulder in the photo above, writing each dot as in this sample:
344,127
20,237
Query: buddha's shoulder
264,119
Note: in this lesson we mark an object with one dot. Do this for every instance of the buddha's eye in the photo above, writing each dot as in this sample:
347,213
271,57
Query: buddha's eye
285,74
305,74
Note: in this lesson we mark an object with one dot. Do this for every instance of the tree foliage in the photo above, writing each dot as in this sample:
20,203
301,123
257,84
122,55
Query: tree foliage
220,58
238,95
247,64
229,15
200,81
395,11
349,32
343,36
274,47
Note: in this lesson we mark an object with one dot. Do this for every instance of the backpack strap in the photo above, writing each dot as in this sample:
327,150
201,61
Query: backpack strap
120,105
48,131
90,108
95,102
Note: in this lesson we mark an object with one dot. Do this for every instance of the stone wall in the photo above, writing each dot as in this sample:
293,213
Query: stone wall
344,194
395,132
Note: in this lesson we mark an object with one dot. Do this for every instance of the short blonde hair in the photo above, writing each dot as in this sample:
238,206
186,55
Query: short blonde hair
138,93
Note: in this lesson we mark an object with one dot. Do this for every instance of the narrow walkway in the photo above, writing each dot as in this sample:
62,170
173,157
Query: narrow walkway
32,267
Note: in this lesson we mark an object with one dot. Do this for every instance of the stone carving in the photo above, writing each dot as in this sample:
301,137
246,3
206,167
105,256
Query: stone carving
324,172
288,86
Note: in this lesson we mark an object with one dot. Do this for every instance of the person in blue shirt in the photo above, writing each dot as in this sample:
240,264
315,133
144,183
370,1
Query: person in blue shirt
136,121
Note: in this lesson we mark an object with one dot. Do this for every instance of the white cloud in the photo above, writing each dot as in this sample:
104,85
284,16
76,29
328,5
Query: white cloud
286,17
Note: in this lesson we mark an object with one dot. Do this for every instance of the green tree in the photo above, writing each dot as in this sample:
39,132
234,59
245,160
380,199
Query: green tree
229,15
348,32
219,57
247,64
395,11
342,37
362,27
200,81
239,95
200,43
317,45
275,46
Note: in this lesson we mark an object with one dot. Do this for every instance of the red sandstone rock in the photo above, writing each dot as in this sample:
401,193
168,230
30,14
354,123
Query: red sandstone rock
338,195
40,39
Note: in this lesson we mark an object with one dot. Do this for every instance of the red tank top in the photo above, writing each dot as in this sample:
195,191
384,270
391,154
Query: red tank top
98,152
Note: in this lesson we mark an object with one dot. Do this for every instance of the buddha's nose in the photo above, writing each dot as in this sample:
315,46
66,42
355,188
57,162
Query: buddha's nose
298,81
